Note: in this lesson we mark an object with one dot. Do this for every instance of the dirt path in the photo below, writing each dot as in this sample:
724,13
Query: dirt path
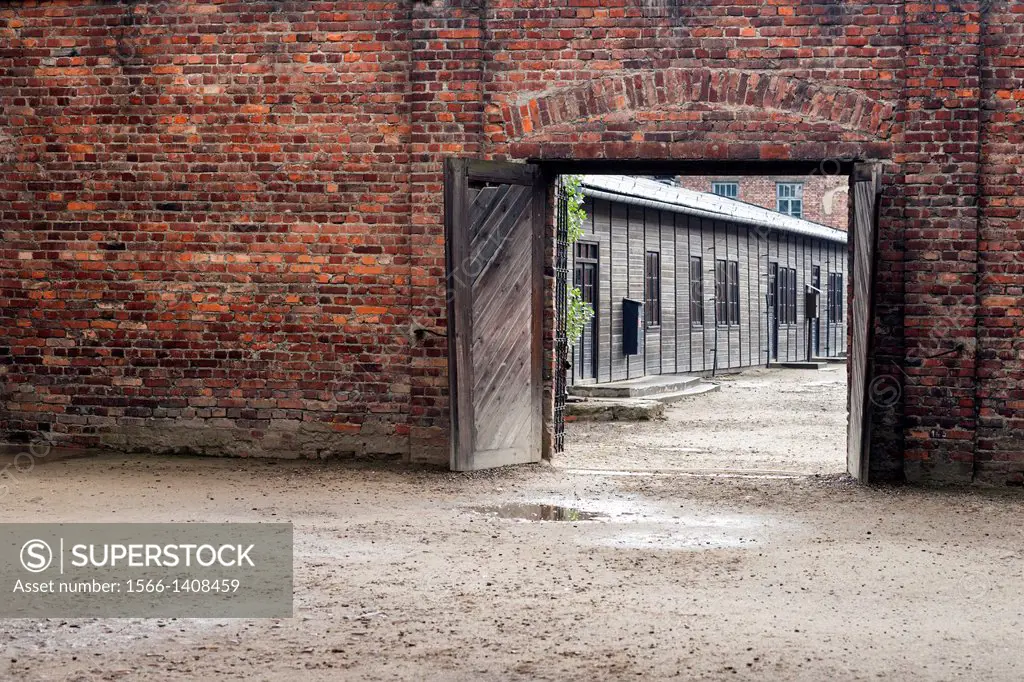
780,420
398,578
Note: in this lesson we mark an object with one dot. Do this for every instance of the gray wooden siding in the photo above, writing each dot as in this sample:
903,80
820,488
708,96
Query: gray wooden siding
667,362
625,233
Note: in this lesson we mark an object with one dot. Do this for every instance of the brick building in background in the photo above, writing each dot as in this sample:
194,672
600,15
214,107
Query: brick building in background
222,221
820,199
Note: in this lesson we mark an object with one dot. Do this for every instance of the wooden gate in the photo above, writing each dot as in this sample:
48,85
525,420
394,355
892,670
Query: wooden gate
494,231
867,187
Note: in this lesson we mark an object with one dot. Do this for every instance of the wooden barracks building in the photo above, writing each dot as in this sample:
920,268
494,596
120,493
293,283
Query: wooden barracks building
717,283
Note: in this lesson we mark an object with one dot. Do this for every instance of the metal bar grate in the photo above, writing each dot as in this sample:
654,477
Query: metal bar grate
561,303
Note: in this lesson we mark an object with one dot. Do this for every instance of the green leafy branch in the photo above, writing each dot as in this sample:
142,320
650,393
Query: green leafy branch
573,185
578,313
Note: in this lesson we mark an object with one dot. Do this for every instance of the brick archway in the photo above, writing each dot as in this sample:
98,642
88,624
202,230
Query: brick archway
695,117
641,115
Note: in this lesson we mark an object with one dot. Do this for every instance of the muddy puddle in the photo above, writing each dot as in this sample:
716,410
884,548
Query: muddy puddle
628,525
537,512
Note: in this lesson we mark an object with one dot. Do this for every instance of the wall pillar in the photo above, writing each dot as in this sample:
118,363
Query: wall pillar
446,120
939,161
1000,440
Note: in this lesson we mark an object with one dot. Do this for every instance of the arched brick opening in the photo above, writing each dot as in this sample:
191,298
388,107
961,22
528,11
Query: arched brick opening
599,111
693,119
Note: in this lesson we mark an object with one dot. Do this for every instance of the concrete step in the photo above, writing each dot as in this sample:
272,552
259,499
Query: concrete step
641,387
803,365
610,409
691,392
832,361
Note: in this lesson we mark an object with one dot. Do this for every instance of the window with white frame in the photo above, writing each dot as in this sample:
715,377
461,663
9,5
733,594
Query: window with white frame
729,190
789,198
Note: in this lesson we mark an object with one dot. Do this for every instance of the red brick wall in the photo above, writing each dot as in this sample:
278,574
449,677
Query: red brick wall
222,221
999,388
825,192
206,219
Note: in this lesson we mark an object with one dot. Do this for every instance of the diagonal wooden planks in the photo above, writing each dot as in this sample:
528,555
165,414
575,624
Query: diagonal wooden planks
501,324
493,223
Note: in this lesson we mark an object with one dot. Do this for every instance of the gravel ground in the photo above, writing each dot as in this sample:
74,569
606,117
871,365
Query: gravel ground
400,576
772,420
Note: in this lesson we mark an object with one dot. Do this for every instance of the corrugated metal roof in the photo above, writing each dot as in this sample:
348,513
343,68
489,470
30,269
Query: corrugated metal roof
645,192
